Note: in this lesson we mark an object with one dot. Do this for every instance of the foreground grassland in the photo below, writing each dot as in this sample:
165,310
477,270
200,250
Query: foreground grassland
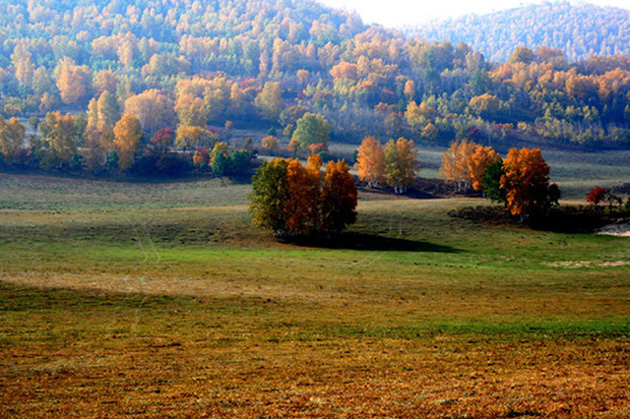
160,300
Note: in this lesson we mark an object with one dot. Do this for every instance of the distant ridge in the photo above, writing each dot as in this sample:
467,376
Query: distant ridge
579,30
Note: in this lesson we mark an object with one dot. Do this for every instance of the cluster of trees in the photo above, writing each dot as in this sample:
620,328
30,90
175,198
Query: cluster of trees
189,65
396,163
520,181
106,141
598,194
579,30
296,200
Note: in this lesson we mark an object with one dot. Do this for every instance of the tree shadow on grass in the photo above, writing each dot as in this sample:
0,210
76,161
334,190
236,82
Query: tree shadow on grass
370,242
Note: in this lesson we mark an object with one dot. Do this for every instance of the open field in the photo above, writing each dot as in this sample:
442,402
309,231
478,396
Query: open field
160,300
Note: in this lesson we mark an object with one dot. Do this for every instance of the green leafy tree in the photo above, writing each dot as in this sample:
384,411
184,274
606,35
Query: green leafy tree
270,191
311,129
492,182
239,162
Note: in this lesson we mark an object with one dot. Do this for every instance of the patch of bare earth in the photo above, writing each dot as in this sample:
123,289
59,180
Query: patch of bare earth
617,229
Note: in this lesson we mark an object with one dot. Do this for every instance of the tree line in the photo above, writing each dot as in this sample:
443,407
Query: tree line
520,181
76,143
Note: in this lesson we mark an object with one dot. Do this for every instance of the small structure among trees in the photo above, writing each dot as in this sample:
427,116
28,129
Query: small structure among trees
296,200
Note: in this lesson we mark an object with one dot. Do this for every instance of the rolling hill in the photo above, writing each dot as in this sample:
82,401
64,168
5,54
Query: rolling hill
579,30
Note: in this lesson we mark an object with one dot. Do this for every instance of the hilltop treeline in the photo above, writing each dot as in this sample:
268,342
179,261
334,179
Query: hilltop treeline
578,30
189,65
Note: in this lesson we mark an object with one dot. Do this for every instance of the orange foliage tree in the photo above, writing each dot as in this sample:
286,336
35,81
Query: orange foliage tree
526,183
162,140
371,161
478,162
201,157
344,70
338,198
303,207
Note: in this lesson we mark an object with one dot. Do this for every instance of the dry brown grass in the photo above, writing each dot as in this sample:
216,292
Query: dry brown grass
107,356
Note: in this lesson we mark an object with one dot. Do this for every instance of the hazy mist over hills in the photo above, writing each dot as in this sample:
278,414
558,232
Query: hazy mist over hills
579,30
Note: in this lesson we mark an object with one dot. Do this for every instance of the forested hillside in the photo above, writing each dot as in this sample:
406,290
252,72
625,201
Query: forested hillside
195,67
578,30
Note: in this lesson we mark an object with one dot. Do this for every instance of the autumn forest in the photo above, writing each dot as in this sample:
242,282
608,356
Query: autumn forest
136,79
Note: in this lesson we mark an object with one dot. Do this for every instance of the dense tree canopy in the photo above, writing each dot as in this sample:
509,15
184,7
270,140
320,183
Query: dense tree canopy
309,72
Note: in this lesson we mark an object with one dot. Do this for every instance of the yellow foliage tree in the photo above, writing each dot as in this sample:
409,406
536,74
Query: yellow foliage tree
105,80
430,131
127,135
11,137
152,108
74,82
455,161
400,164
62,133
371,161
22,61
270,143
269,101
191,111
190,137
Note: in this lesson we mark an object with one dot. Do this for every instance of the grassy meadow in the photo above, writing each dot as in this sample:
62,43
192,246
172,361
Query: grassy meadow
161,300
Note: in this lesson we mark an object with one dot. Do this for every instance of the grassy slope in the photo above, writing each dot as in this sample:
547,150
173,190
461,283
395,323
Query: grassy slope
163,298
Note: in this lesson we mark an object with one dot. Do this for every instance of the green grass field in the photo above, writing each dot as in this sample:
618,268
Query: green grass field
161,300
